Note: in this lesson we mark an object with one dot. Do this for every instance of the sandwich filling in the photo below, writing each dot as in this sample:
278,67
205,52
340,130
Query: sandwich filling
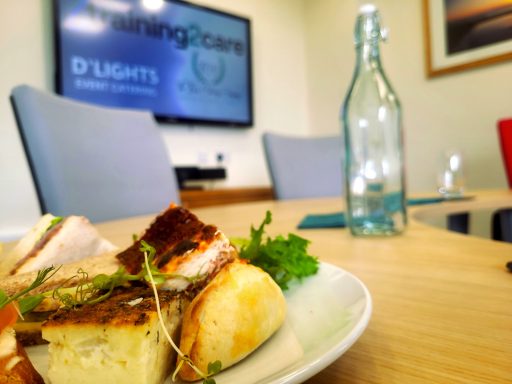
54,241
190,251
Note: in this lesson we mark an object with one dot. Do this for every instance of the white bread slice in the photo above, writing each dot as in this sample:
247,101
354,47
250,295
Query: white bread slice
231,317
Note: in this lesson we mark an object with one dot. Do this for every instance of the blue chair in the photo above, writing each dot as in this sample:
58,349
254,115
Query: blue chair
304,167
87,160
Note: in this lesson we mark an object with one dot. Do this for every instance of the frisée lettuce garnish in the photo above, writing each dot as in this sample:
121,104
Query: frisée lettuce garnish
285,259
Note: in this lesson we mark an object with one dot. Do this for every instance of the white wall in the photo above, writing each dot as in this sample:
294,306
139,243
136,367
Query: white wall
24,58
303,60
458,110
280,97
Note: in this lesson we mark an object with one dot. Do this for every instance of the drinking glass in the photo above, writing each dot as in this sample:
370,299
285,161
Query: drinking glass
450,180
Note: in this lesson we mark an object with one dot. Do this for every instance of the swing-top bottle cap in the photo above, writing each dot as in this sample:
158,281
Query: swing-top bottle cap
366,9
368,25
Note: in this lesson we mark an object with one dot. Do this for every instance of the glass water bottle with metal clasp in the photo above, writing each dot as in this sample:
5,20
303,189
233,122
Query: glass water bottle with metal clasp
372,130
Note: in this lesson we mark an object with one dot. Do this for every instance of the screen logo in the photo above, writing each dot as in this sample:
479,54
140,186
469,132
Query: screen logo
208,70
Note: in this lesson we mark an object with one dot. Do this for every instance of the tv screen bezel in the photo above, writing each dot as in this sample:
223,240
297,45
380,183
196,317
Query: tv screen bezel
170,119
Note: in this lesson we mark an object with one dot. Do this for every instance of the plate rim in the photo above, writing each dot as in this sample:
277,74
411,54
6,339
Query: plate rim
336,351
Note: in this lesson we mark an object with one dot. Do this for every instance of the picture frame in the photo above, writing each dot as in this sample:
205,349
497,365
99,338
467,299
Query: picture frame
466,35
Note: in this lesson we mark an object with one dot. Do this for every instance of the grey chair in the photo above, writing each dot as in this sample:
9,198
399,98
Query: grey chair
304,167
87,160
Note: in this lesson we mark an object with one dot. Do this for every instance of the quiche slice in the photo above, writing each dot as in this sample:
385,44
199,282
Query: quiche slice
119,340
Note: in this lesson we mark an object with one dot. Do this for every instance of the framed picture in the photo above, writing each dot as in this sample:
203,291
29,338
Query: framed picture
463,34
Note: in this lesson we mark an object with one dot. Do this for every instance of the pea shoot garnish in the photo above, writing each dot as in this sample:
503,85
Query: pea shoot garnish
148,269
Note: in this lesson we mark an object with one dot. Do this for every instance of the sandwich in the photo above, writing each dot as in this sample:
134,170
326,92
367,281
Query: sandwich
188,250
54,241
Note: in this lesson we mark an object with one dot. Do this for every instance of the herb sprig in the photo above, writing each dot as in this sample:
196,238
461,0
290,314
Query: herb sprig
26,302
148,268
285,259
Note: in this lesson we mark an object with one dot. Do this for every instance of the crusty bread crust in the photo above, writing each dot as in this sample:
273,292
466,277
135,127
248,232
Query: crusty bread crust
23,372
236,312
173,233
127,307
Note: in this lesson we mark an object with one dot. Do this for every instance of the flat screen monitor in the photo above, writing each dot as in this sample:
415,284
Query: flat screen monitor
185,63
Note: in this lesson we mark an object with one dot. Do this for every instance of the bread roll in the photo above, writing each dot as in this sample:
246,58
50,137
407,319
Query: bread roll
236,312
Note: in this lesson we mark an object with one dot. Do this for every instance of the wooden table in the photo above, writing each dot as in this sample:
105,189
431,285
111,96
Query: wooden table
442,300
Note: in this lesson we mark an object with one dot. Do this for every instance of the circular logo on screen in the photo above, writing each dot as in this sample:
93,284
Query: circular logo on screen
208,69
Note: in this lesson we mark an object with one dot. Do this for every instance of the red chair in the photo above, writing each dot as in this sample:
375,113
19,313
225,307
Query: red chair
505,137
502,219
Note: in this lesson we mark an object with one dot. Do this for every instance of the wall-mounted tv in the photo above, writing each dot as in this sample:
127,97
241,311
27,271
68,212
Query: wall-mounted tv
184,62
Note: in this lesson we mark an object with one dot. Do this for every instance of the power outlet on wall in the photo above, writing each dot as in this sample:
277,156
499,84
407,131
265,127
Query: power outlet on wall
222,158
213,159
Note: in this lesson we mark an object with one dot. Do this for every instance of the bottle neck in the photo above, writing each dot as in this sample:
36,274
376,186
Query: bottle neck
367,36
368,55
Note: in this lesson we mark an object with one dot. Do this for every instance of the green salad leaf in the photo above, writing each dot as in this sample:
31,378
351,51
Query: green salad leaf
285,259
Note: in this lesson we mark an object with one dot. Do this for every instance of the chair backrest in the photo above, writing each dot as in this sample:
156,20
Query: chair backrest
87,160
505,138
304,167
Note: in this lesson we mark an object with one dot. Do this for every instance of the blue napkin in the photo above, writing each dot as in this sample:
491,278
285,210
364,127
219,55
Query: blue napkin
425,200
328,220
337,219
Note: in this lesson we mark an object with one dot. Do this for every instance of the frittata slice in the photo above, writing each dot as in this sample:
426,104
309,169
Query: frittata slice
119,340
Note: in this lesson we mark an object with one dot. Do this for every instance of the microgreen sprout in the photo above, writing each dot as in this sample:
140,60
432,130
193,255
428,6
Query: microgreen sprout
92,291
213,368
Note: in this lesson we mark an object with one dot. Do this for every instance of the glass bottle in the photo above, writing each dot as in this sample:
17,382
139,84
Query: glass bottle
372,130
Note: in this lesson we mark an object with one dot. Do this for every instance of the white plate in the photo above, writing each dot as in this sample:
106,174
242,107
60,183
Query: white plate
326,314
